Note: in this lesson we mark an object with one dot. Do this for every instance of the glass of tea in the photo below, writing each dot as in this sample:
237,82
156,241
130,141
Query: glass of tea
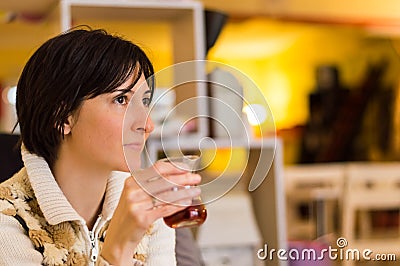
196,213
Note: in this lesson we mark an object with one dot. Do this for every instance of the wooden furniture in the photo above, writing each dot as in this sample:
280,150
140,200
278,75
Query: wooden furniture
360,190
317,188
370,187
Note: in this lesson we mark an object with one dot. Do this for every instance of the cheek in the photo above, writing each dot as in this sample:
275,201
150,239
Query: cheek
113,127
112,134
103,130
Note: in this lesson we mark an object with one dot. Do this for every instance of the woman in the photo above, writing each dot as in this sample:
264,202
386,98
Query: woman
71,100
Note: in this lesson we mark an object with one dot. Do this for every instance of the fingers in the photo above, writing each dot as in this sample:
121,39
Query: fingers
160,185
164,189
167,168
164,210
160,170
167,210
137,210
164,176
180,197
185,179
145,212
171,194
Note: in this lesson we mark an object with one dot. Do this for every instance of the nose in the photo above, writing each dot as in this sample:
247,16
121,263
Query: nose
142,126
149,126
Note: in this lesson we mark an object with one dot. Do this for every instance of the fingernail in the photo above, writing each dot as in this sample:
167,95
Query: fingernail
198,178
195,191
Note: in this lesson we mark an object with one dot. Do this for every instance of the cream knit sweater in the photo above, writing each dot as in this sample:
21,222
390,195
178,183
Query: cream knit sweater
17,248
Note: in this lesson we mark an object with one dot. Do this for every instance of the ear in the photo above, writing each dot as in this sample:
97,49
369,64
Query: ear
68,125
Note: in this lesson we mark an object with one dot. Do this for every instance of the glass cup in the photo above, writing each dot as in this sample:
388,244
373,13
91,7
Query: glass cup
196,213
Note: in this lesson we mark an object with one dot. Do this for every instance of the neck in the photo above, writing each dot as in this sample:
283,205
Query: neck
83,184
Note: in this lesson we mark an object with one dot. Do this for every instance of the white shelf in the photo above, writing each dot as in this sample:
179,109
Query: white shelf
168,11
185,21
185,17
190,141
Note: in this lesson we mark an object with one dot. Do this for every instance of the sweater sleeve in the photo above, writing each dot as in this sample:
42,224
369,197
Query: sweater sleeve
15,246
161,245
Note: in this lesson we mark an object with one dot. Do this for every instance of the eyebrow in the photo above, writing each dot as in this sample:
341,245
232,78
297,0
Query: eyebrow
127,89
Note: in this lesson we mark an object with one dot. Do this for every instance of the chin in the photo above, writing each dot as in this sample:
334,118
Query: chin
132,159
136,165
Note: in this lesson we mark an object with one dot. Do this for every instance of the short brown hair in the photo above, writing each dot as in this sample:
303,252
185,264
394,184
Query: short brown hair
66,70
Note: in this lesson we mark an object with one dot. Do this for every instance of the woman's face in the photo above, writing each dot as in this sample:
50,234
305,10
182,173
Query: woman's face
99,133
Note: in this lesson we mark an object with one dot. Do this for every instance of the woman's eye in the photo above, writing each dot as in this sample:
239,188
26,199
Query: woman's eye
146,101
121,99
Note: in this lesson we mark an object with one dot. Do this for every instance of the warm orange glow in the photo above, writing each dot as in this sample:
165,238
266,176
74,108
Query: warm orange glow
281,58
224,160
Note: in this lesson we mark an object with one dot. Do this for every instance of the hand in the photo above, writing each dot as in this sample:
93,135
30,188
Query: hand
137,209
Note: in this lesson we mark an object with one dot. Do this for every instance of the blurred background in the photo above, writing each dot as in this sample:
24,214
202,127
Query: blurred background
300,54
329,71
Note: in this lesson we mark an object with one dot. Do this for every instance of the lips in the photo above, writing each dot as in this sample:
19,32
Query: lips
134,146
